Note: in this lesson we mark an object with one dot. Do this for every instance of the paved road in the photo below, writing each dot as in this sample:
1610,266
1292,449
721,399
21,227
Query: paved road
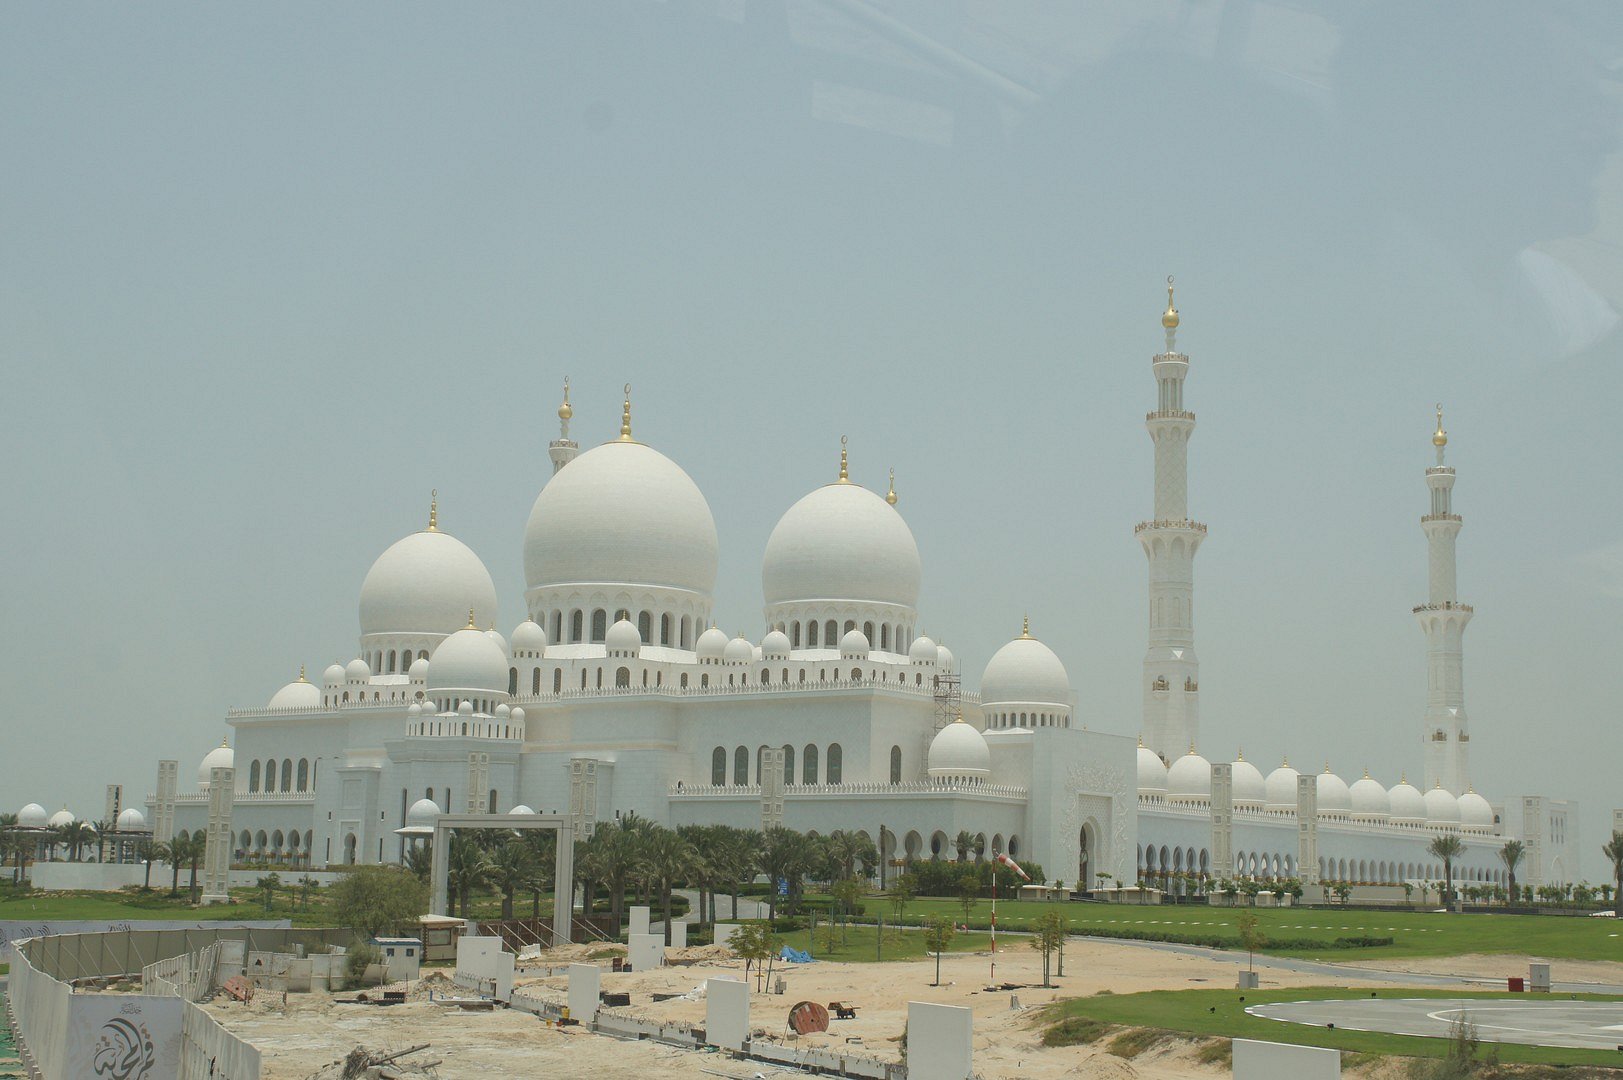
1591,1025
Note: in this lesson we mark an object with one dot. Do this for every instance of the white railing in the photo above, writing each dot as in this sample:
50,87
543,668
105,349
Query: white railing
1341,820
916,787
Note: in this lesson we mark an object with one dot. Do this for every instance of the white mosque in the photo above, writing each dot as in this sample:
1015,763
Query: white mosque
618,693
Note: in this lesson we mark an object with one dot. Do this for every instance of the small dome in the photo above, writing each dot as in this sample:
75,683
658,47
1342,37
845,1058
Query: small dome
1442,808
521,811
1369,798
841,542
422,812
464,707
739,651
503,711
357,670
775,646
1279,790
62,817
516,716
468,660
1475,812
419,669
221,757
131,820
959,750
712,644
1406,803
1189,777
499,640
298,694
622,638
1152,771
922,651
945,662
33,816
333,676
1249,787
425,584
854,645
528,637
1334,796
1025,672
414,709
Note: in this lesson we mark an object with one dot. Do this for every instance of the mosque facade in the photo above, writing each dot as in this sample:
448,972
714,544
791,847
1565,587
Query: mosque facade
618,693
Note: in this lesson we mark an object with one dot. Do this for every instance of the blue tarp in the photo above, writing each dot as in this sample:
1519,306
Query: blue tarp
795,956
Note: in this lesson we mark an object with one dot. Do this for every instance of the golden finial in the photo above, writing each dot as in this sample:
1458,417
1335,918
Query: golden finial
625,418
1141,741
1241,755
1191,746
434,510
1169,317
1327,766
960,719
1403,777
566,410
1366,773
223,740
1439,438
301,672
1025,626
1285,762
845,472
471,624
890,496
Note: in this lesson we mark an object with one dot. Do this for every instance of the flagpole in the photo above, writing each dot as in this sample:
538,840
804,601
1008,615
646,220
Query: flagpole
994,920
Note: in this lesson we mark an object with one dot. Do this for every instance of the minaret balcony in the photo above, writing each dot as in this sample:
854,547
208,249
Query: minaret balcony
1170,524
1445,605
1169,414
1440,517
1440,470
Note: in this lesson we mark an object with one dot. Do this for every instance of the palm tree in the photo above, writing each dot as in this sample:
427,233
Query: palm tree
470,868
785,854
173,853
543,844
1511,855
513,868
1613,849
194,848
741,854
668,859
420,861
102,829
1447,848
963,842
146,849
74,836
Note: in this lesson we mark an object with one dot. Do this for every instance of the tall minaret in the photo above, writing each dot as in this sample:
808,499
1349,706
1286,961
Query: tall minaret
563,449
1443,620
1171,671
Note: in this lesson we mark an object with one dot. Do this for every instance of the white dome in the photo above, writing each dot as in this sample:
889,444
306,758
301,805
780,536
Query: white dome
959,750
424,584
1334,796
712,644
516,716
464,707
358,670
334,675
621,513
521,811
1249,788
33,816
297,694
419,669
468,660
1152,771
422,812
739,651
221,757
854,645
1025,672
945,662
1369,798
841,542
1406,803
503,711
131,820
1189,777
414,709
62,817
775,646
1442,808
500,641
622,638
1280,788
922,651
528,637
1475,811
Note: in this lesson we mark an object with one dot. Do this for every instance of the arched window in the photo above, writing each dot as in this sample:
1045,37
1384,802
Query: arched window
788,764
687,631
856,674
557,679
512,682
575,626
741,766
600,624
583,678
535,680
600,678
811,635
270,775
718,767
809,764
794,636
896,764
490,807
684,684
831,633
304,774
835,760
253,776
622,677
391,661
704,680
884,637
557,627
766,676
867,631
645,627
665,629
802,674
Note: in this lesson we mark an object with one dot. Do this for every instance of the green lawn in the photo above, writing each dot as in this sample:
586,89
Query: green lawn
130,907
1412,933
856,944
1222,1013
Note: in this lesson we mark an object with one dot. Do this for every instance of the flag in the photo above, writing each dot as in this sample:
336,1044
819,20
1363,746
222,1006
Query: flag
1012,865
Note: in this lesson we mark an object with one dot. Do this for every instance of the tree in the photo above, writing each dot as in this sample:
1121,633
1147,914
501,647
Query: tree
784,856
420,861
1047,935
469,868
668,858
1613,850
1447,848
514,867
102,828
963,842
938,934
195,848
969,890
755,943
1251,936
268,886
306,883
900,894
146,849
74,836
378,898
1511,855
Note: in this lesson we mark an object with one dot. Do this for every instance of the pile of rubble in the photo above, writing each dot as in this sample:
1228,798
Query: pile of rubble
363,1064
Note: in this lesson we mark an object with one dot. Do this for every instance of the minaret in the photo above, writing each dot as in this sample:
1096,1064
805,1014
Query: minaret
1171,671
563,449
1443,620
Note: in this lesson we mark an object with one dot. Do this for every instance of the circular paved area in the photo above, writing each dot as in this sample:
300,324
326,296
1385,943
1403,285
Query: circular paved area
1591,1025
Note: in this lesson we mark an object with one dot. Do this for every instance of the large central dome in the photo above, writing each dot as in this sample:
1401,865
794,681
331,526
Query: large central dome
425,584
842,542
621,514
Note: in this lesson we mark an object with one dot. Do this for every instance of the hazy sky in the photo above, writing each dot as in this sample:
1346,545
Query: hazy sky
270,273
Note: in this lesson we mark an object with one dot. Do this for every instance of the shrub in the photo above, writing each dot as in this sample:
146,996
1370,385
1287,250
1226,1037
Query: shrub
1075,1031
361,955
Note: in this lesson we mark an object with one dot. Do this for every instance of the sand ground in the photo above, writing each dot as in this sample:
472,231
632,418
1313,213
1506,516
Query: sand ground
313,1031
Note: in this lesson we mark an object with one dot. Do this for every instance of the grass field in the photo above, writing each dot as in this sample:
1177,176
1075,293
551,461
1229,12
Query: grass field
1222,1013
1412,933
856,944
